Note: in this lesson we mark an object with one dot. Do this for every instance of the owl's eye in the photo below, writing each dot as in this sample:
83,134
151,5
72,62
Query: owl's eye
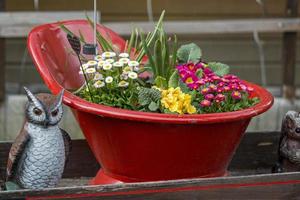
297,130
37,111
54,113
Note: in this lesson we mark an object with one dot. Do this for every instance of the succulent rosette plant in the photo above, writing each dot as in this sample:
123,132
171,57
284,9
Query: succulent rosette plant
153,75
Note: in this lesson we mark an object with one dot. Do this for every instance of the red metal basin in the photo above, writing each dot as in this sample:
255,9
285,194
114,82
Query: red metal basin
136,146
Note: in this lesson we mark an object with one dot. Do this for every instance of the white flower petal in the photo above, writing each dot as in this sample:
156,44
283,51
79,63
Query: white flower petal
133,63
98,58
123,55
132,75
109,79
118,64
108,54
98,76
92,63
99,84
124,60
123,84
107,66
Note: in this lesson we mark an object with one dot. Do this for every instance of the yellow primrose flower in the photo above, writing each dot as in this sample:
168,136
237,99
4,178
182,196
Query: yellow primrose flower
177,101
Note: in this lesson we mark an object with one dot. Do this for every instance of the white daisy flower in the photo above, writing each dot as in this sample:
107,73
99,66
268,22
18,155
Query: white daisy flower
124,76
110,61
123,55
109,79
92,63
107,66
132,75
98,58
123,84
118,64
99,84
98,76
127,69
124,60
90,71
108,54
133,63
100,64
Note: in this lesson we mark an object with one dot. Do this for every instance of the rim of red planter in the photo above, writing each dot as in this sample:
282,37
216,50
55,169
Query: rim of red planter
266,98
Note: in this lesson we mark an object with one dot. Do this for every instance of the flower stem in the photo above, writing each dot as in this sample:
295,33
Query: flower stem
85,78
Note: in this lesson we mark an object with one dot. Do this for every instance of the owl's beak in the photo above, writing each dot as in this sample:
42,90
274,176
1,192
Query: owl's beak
46,122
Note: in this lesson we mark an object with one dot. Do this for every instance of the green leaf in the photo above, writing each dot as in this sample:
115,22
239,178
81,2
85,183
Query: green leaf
158,57
105,44
189,53
146,95
150,57
220,69
161,82
184,88
174,80
199,73
132,36
153,106
151,37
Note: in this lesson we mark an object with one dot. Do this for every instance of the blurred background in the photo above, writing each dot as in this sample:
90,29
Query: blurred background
257,38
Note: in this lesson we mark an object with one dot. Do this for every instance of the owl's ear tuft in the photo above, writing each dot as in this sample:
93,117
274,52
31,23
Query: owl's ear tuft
59,98
31,97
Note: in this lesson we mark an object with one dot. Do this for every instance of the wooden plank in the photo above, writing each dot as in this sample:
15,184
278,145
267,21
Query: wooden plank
289,53
257,150
266,186
14,24
214,26
176,9
2,60
18,24
269,186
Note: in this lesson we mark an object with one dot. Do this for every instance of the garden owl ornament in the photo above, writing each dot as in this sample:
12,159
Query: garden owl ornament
289,144
37,157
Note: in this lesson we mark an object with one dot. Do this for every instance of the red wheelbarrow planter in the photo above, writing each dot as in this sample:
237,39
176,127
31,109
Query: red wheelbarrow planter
138,146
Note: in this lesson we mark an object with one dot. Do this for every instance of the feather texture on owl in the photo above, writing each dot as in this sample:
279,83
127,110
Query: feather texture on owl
37,157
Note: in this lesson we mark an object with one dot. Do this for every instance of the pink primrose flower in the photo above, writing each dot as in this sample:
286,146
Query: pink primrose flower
209,97
205,103
236,95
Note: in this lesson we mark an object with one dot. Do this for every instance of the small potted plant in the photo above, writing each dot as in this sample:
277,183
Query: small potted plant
150,110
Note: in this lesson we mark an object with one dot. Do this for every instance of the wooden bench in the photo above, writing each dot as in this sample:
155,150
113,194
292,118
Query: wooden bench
249,177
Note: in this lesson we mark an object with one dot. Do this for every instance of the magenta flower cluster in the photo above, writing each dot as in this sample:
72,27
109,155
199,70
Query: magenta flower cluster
214,88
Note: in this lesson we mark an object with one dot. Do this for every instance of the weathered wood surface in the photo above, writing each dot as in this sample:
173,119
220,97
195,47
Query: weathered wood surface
257,153
176,9
18,24
269,186
2,59
289,53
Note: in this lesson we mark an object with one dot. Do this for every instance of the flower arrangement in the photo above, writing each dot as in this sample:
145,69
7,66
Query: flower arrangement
152,74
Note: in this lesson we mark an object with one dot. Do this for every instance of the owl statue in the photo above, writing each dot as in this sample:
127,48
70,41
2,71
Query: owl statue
37,157
289,144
